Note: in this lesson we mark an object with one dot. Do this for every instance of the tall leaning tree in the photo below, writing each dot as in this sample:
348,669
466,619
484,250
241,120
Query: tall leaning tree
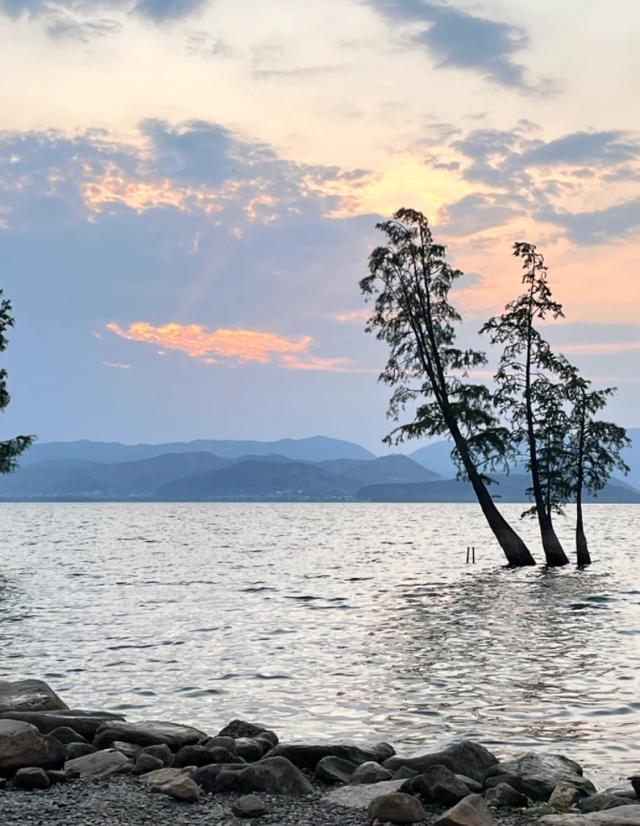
12,448
409,282
594,448
525,365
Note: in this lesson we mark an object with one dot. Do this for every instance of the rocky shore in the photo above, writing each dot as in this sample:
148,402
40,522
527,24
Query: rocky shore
68,766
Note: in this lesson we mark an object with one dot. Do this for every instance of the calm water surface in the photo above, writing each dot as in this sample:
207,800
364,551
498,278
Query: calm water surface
355,620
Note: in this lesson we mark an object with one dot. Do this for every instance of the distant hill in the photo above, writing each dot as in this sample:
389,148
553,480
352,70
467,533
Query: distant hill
251,479
391,469
75,478
314,449
510,489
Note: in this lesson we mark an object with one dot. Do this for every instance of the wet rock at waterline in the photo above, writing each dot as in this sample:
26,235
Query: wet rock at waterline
203,756
28,695
274,775
238,729
628,815
460,757
86,723
537,775
148,733
308,755
601,801
23,746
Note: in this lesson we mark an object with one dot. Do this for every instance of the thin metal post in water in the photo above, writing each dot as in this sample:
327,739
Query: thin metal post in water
471,554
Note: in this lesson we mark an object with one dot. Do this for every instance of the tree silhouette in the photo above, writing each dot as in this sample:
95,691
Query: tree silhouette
11,449
409,281
594,448
525,367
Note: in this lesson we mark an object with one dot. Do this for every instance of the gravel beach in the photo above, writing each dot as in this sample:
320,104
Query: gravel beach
124,801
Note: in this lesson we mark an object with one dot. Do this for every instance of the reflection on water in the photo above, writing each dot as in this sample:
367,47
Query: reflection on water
321,620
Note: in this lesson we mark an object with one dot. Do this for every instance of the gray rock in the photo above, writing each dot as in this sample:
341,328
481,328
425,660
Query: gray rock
537,775
203,756
67,735
146,763
370,772
100,764
28,695
504,796
563,797
601,801
31,778
249,806
334,770
404,773
635,782
85,723
240,728
471,811
148,733
473,785
251,749
227,743
181,788
396,808
308,755
359,797
130,750
460,757
58,776
161,751
437,785
628,815
22,746
75,750
273,775
160,777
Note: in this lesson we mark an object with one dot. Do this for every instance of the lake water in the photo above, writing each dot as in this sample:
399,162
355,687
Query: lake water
348,620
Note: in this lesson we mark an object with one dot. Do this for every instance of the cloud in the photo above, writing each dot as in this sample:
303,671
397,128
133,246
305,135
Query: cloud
163,10
115,365
475,213
458,39
352,316
597,226
238,345
60,28
579,148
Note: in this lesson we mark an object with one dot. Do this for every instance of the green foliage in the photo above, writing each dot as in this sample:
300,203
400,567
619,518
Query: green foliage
409,282
12,448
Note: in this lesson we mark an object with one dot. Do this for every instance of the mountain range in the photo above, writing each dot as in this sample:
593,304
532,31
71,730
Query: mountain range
313,469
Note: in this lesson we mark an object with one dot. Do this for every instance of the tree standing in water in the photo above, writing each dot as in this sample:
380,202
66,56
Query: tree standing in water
409,281
526,360
594,448
12,448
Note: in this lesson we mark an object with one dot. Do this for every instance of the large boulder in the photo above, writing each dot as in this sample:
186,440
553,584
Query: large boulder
437,785
396,807
28,695
242,729
273,775
308,755
460,757
470,811
22,746
100,764
31,779
148,733
85,723
628,815
601,801
537,775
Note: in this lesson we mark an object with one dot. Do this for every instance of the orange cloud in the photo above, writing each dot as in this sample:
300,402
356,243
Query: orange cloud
244,345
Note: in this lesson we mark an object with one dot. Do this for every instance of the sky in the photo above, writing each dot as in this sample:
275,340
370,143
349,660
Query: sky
189,191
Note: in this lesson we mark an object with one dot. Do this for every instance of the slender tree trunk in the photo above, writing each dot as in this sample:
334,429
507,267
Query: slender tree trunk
515,550
582,549
553,551
583,557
